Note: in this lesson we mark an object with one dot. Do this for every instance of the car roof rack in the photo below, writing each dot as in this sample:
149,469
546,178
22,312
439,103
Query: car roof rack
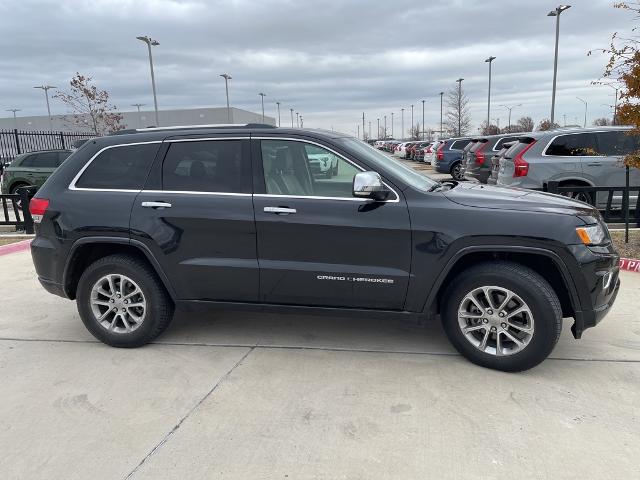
193,127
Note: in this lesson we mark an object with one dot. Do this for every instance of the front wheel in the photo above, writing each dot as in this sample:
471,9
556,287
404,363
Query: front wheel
502,315
122,302
581,196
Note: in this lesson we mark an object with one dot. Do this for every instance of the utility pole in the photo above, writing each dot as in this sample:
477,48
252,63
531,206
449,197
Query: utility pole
262,95
46,89
489,61
227,77
556,13
278,104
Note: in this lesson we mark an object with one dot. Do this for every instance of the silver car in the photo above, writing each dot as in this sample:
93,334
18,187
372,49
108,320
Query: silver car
576,157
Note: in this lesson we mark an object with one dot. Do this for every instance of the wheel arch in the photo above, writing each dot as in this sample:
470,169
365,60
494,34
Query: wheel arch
545,262
87,250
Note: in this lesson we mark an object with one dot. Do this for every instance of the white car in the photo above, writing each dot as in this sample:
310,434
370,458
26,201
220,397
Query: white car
323,164
401,150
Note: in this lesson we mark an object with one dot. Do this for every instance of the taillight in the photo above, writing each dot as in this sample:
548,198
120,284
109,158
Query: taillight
37,208
521,167
480,154
439,152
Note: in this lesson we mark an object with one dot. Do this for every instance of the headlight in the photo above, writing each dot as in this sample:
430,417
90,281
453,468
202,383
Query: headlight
592,234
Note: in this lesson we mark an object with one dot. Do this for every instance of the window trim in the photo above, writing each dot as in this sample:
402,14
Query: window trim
544,151
315,197
72,185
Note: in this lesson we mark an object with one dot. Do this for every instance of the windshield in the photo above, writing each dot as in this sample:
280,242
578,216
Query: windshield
378,159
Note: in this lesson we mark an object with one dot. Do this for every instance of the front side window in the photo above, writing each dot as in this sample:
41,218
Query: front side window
123,167
573,145
617,143
302,169
216,166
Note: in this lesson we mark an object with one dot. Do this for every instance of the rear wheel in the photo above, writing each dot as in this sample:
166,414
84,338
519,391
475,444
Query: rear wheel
456,171
502,315
122,302
585,197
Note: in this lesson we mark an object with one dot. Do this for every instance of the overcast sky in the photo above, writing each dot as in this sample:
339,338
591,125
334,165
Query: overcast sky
329,60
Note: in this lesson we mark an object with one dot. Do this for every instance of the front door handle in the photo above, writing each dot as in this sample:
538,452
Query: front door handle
280,210
156,205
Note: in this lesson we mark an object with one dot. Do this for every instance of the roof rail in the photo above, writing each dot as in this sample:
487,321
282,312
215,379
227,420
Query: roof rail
193,127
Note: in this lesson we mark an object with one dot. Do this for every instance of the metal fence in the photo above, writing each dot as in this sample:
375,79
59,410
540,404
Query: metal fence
14,142
14,209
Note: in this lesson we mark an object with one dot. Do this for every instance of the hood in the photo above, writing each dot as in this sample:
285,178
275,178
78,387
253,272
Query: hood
507,198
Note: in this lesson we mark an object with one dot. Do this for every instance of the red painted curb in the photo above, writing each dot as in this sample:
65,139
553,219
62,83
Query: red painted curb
15,247
630,265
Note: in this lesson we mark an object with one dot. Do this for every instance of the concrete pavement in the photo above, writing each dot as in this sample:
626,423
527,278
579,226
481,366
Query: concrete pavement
243,395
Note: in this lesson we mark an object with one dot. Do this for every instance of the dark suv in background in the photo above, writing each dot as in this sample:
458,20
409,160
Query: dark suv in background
449,157
134,226
478,157
31,169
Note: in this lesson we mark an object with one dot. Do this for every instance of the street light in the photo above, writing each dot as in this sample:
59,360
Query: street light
278,104
297,120
411,120
423,119
227,77
585,111
459,82
441,95
510,107
556,13
150,42
46,89
291,109
402,124
138,105
301,122
489,61
385,127
262,95
15,120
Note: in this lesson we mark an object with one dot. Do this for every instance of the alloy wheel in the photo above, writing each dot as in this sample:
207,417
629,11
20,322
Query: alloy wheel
496,320
118,303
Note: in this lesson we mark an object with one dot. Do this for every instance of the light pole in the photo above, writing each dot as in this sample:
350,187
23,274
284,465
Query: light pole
556,13
363,125
585,111
291,109
278,104
497,123
411,119
378,135
227,77
564,116
150,42
297,120
262,95
391,124
441,95
402,124
369,130
510,107
15,120
138,105
489,61
459,82
385,127
301,122
423,119
358,125
46,89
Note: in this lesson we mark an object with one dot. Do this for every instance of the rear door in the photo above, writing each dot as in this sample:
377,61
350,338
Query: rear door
317,244
613,146
195,215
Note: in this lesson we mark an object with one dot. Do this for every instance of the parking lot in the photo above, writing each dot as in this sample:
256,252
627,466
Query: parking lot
239,395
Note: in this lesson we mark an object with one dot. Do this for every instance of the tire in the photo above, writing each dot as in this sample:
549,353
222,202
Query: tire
14,191
158,310
585,197
456,171
545,322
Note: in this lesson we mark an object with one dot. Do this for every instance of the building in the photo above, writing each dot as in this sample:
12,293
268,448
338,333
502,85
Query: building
144,118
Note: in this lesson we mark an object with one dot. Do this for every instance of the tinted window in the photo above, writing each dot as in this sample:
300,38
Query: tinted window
516,148
302,169
62,156
573,145
617,143
207,166
502,141
45,160
124,167
459,144
476,145
27,161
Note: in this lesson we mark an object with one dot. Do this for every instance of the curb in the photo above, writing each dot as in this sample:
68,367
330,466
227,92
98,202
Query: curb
15,247
630,265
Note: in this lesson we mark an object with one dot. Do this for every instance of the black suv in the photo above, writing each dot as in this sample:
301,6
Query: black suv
133,226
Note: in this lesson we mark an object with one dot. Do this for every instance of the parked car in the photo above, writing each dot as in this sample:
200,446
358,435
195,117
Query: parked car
32,169
401,149
478,157
495,161
322,163
449,157
430,150
416,151
576,157
232,216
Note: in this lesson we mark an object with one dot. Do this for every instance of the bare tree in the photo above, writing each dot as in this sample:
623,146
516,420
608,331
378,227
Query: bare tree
525,124
602,122
415,132
458,118
547,125
90,106
489,129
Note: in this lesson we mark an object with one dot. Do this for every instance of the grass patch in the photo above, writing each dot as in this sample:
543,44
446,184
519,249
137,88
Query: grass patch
627,250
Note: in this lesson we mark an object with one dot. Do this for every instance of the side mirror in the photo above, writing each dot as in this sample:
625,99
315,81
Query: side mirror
369,185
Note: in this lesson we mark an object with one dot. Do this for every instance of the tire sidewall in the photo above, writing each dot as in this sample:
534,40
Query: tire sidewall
139,336
544,315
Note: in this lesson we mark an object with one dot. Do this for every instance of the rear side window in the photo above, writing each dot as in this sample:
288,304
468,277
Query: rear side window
207,166
41,160
617,143
516,148
502,141
573,145
119,168
459,144
476,146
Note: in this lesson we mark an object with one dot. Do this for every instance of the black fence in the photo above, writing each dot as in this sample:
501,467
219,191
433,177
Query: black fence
15,209
15,142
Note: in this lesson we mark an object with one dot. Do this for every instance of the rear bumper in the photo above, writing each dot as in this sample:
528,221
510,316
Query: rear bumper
52,287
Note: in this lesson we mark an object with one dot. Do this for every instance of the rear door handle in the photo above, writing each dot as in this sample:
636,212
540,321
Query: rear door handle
156,205
280,210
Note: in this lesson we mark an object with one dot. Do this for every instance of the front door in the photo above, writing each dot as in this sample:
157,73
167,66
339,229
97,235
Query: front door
198,219
317,244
